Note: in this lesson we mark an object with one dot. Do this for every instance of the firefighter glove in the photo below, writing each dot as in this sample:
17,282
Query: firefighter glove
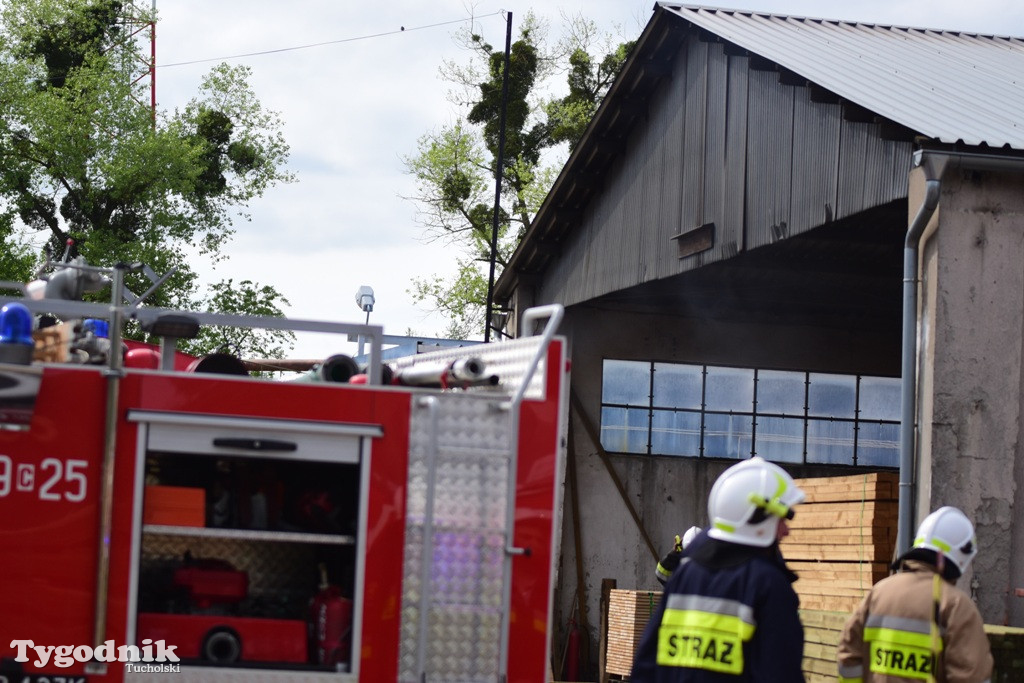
668,564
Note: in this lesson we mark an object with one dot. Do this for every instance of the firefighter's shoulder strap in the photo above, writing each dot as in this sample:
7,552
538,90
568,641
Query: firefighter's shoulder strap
936,634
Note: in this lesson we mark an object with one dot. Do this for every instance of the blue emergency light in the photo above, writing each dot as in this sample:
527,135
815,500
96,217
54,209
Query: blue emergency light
99,327
16,344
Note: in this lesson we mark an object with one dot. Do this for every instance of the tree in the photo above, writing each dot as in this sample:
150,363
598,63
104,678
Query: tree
246,298
455,166
588,82
84,157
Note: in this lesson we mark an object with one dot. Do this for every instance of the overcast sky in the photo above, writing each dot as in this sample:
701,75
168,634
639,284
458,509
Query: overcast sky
356,105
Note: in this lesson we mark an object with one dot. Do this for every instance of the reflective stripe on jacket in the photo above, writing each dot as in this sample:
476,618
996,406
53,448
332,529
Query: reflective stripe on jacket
704,633
893,637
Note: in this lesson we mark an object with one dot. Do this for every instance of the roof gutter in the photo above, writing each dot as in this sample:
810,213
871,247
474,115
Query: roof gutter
934,164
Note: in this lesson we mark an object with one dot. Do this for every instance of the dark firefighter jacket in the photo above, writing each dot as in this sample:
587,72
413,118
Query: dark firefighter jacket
728,614
889,637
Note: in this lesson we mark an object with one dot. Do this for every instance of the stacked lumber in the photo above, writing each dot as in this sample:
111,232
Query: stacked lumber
821,636
628,614
1007,643
842,539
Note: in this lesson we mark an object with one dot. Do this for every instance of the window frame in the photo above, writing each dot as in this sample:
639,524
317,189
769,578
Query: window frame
817,446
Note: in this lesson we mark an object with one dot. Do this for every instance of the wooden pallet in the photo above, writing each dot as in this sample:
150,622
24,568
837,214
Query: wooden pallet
628,614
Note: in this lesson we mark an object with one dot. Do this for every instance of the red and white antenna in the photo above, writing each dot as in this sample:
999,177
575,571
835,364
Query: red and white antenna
140,27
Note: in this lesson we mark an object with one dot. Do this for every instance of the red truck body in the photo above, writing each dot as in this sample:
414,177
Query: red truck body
403,546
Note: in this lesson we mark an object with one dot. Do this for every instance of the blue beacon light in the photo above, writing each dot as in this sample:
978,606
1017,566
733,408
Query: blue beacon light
16,343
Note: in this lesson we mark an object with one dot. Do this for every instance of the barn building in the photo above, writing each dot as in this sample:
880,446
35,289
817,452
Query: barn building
798,238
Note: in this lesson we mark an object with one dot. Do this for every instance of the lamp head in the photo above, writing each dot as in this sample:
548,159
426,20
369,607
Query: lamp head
365,299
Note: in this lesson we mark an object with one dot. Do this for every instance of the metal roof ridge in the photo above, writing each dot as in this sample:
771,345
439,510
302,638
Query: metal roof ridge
832,20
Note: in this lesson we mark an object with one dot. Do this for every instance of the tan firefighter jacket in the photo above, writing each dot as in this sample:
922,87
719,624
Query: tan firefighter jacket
892,636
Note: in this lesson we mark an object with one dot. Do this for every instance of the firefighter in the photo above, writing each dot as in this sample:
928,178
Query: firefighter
668,564
729,612
916,625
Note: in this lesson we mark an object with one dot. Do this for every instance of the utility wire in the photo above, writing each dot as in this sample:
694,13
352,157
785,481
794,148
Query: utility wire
329,42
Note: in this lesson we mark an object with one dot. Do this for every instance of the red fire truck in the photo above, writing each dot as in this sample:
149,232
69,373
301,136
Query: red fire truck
215,525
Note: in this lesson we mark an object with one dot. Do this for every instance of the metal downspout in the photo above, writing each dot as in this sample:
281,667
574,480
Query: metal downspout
908,398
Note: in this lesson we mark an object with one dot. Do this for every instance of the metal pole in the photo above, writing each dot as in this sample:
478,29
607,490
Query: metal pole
427,568
362,339
498,173
152,65
114,372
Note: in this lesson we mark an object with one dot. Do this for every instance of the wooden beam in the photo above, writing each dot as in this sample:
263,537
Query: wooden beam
890,130
857,114
823,96
577,537
734,50
787,77
696,240
592,433
759,63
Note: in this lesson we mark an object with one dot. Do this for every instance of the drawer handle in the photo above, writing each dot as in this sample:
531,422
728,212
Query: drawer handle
256,444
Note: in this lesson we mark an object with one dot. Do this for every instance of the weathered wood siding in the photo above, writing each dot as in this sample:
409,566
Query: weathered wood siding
728,144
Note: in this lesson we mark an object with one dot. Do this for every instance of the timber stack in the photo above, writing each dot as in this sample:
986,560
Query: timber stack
841,543
842,539
628,614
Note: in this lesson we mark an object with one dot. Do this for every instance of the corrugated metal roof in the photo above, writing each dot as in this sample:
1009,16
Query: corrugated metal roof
946,85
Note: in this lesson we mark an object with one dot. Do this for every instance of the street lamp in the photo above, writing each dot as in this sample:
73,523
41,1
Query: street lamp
364,300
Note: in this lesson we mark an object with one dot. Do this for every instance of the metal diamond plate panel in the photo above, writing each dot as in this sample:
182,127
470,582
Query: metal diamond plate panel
460,454
509,361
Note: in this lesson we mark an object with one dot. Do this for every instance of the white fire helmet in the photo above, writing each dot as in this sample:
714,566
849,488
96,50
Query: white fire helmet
948,531
749,499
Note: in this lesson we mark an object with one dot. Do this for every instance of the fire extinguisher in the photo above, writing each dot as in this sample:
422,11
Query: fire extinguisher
573,651
330,624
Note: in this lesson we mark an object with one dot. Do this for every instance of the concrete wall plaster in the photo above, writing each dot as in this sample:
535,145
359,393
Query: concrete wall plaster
970,393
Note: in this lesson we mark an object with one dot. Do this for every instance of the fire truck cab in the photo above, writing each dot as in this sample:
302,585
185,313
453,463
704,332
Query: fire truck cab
212,525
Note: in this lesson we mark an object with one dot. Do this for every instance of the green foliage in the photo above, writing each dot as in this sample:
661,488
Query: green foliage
569,116
245,298
84,157
16,260
455,167
465,317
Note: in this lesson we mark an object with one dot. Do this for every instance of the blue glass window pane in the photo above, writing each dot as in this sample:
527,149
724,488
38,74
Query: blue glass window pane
832,395
626,382
878,444
730,389
624,430
727,436
781,392
675,433
830,442
780,438
678,386
880,398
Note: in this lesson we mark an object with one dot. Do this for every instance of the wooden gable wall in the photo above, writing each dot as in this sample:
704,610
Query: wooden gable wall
730,142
